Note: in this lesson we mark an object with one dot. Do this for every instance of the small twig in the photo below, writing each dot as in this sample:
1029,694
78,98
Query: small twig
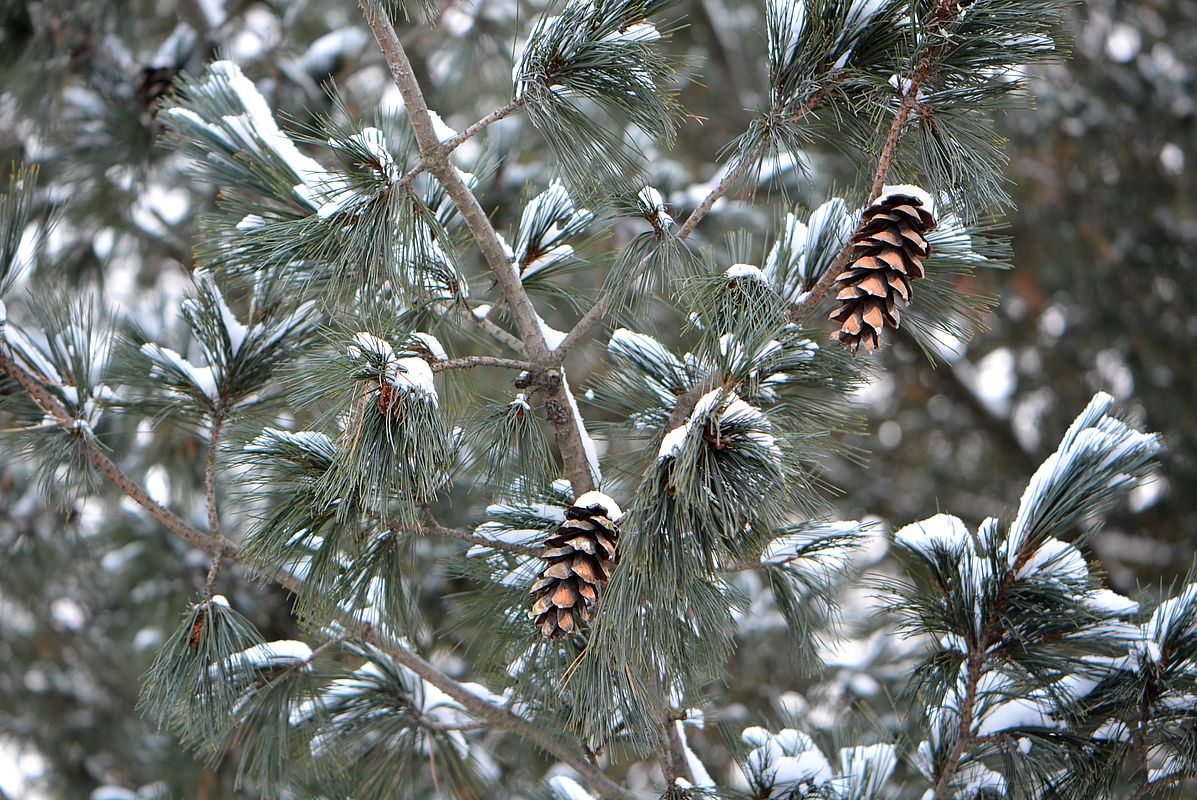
452,144
106,467
434,528
469,362
485,326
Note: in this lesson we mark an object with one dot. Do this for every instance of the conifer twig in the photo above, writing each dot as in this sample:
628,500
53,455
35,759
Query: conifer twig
108,468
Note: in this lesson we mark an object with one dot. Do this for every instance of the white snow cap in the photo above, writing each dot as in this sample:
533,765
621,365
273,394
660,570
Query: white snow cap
410,374
652,202
745,271
941,532
910,191
594,498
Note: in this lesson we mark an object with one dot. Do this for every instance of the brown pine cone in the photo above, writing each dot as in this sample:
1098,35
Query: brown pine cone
579,559
887,254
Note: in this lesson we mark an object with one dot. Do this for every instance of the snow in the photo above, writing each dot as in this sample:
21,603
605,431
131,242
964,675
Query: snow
785,760
552,337
596,498
411,374
864,770
673,442
567,788
653,206
702,778
202,378
639,32
1056,560
31,354
433,344
910,191
633,346
1019,712
941,532
588,447
746,271
219,600
260,120
1097,446
235,330
284,652
250,222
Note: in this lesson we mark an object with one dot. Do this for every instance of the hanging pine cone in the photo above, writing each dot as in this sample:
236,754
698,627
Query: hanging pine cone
579,559
887,254
154,84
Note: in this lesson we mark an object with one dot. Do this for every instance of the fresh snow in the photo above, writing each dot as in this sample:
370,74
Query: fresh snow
588,447
433,344
202,378
410,374
284,652
592,498
1056,560
940,532
653,205
908,190
746,271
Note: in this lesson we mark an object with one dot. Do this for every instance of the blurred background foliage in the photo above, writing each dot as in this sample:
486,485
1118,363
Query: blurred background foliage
1104,296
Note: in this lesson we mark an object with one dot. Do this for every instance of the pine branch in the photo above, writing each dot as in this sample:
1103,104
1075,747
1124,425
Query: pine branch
473,130
497,716
434,154
485,326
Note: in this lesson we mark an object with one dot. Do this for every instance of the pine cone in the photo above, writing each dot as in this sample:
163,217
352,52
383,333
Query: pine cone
887,254
153,84
579,559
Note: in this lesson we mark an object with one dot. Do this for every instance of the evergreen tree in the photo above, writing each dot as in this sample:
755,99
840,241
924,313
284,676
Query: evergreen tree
425,546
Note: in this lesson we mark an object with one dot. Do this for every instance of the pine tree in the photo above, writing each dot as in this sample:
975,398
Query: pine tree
367,347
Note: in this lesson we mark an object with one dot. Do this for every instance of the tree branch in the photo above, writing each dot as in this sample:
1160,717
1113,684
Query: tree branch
527,321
